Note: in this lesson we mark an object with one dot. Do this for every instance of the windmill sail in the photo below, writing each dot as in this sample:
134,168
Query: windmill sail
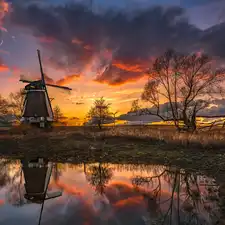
42,73
50,85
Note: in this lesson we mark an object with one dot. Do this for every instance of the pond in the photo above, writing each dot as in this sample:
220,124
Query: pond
36,191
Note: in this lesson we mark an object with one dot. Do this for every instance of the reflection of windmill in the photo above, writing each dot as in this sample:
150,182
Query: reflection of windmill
37,173
37,105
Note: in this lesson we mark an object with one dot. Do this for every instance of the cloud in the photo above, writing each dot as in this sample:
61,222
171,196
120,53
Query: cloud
46,39
3,67
67,79
213,40
4,8
216,108
115,76
49,80
130,40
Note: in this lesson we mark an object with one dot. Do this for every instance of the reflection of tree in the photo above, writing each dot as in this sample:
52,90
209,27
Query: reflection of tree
15,189
56,172
12,182
4,173
186,203
98,176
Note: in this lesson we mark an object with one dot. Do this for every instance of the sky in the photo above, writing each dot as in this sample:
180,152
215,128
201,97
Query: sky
103,50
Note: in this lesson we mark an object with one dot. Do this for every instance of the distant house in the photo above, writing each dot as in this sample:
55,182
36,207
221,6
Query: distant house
94,121
7,120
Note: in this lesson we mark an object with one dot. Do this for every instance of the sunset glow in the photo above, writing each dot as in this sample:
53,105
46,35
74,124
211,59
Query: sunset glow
99,56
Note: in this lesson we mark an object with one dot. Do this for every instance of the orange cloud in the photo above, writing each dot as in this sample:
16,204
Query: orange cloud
131,201
63,81
129,67
119,80
3,68
67,188
67,79
121,72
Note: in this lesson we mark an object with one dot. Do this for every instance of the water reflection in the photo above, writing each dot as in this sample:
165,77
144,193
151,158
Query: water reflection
102,193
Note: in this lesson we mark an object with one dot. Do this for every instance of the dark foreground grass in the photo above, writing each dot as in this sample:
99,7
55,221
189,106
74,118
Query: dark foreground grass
110,145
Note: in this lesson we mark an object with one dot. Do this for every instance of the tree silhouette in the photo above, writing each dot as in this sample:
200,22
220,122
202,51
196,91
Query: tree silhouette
57,113
99,112
98,176
16,102
186,82
4,108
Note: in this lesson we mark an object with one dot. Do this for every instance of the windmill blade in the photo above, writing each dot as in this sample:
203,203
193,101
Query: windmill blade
57,86
41,68
51,85
26,81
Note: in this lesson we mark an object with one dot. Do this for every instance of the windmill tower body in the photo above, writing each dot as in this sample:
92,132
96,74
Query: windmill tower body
37,107
37,173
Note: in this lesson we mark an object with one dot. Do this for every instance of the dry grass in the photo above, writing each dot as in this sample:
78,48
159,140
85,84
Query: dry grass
161,134
213,138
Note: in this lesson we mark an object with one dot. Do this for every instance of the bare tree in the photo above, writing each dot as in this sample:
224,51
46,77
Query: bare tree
4,106
186,82
99,112
57,113
16,103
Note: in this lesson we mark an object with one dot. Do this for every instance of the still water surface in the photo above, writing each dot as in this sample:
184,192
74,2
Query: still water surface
99,193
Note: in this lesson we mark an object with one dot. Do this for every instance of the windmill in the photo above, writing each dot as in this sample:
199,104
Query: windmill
37,174
37,107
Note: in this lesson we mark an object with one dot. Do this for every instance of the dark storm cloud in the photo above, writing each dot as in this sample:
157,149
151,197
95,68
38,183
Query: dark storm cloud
200,2
213,40
80,34
115,76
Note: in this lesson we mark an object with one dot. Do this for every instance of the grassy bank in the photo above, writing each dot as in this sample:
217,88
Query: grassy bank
203,151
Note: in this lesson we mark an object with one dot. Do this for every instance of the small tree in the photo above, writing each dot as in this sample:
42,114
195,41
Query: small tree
186,82
16,103
114,117
135,106
57,113
99,112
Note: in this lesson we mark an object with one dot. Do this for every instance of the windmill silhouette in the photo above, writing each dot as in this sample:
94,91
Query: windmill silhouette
37,107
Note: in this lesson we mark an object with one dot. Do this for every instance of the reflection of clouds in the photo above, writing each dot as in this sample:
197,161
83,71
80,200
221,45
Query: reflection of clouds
123,202
119,200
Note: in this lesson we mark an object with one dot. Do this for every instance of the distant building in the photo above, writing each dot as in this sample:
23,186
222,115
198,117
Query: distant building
7,120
